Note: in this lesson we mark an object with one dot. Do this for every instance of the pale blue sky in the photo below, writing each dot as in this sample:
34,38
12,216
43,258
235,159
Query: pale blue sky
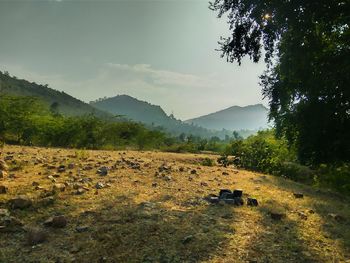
159,51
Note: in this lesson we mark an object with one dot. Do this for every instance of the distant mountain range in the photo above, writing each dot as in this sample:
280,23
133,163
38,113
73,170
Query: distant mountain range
251,117
66,104
245,120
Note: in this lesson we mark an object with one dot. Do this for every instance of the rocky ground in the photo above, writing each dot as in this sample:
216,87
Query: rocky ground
60,205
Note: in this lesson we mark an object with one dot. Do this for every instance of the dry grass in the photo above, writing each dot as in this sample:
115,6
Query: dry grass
133,220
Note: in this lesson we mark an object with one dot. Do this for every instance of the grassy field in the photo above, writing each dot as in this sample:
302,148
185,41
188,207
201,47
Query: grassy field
150,208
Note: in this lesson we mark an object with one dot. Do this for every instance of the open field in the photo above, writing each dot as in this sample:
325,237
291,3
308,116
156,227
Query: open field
150,208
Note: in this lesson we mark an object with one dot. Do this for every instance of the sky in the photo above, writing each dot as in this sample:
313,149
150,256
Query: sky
163,52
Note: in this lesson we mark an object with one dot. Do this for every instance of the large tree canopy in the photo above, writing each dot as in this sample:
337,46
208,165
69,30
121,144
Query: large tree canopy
306,46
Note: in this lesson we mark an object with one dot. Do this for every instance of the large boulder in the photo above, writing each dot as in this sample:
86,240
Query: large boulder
20,202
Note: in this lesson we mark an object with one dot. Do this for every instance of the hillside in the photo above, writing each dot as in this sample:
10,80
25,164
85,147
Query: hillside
251,117
67,104
151,207
152,116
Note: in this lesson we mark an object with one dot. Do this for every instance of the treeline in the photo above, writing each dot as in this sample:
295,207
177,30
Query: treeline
267,154
29,121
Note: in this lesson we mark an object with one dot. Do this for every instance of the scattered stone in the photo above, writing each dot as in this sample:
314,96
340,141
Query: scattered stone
9,223
99,185
237,193
59,187
181,169
204,184
4,212
20,202
81,229
35,184
3,174
298,195
167,178
3,189
56,221
187,239
71,166
193,171
61,168
103,171
336,217
224,192
154,184
46,201
3,165
277,215
237,201
302,215
36,236
225,173
252,202
164,168
80,191
212,199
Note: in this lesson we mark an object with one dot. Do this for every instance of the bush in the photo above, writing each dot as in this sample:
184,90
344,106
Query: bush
207,162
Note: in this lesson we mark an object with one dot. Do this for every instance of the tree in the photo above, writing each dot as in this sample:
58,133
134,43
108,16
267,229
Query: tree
306,50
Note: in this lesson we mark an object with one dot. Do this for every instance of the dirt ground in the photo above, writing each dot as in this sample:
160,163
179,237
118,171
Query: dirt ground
150,207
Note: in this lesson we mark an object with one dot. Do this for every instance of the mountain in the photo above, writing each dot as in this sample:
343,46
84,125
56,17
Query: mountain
152,116
66,104
251,117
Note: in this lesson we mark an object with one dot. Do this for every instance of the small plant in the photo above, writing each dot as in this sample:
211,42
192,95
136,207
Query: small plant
81,154
207,162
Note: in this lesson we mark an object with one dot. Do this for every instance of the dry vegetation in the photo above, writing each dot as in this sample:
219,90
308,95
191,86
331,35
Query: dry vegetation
146,214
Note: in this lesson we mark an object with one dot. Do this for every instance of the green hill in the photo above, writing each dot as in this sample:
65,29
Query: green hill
65,104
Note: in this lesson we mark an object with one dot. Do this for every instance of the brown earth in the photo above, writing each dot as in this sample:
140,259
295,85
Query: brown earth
150,208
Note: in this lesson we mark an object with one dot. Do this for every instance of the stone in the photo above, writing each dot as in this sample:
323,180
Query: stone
80,191
81,229
71,166
277,215
3,165
154,184
252,202
9,223
187,239
20,202
224,192
336,217
59,221
302,215
3,174
103,171
204,184
225,173
237,193
3,189
212,199
46,201
4,212
237,201
36,236
99,185
298,195
168,178
35,184
193,171
61,168
59,187
181,169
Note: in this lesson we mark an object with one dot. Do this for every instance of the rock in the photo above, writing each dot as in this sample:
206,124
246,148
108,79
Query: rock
61,168
3,165
302,215
35,184
168,178
71,166
225,173
154,184
277,215
103,171
20,202
187,239
3,189
46,201
59,187
193,171
3,174
204,184
298,195
99,185
212,199
56,221
237,193
252,202
164,168
80,191
181,169
36,236
81,229
336,217
4,212
237,201
9,223
224,192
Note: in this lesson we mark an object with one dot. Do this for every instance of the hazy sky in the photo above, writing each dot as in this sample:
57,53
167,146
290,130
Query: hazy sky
159,51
